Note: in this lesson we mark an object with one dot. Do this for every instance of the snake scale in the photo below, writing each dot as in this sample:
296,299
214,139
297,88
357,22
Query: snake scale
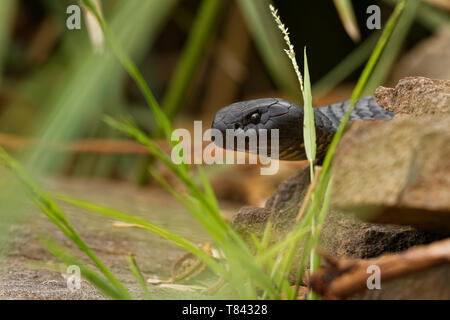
287,117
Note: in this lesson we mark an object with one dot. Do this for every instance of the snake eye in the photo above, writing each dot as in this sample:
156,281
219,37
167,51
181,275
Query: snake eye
255,117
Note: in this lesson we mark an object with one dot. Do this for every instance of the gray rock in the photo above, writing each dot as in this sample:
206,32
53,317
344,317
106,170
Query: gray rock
398,171
416,96
343,235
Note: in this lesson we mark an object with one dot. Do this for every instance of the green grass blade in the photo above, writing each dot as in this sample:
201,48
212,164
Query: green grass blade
88,78
193,51
256,242
235,249
242,256
315,238
309,131
266,235
292,237
210,196
429,16
6,16
269,43
432,18
138,275
345,67
56,215
193,206
348,19
143,139
273,273
166,234
361,84
93,277
133,71
309,128
393,46
236,244
181,174
325,175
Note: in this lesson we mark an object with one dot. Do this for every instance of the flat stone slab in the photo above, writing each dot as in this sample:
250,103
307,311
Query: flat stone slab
28,271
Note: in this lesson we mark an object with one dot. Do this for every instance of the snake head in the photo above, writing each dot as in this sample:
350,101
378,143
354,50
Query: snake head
247,118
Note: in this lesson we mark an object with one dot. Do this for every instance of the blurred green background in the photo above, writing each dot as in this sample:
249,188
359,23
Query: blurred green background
197,57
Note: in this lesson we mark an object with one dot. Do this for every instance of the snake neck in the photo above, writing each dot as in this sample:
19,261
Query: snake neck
328,118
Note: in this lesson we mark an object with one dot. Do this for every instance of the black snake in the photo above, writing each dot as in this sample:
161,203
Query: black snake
287,117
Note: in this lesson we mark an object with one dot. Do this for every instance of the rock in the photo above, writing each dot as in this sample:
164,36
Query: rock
250,220
398,171
346,236
29,271
342,234
416,96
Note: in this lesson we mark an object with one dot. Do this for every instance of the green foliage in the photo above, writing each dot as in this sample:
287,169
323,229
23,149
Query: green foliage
139,277
103,285
348,19
6,10
269,43
346,67
309,129
201,32
57,216
126,217
319,195
393,46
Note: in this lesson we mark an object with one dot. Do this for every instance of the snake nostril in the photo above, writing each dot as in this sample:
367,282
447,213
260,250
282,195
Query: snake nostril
237,125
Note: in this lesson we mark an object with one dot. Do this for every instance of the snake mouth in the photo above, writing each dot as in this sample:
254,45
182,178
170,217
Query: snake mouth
262,142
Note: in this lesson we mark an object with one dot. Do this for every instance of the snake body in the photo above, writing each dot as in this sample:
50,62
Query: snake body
276,113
